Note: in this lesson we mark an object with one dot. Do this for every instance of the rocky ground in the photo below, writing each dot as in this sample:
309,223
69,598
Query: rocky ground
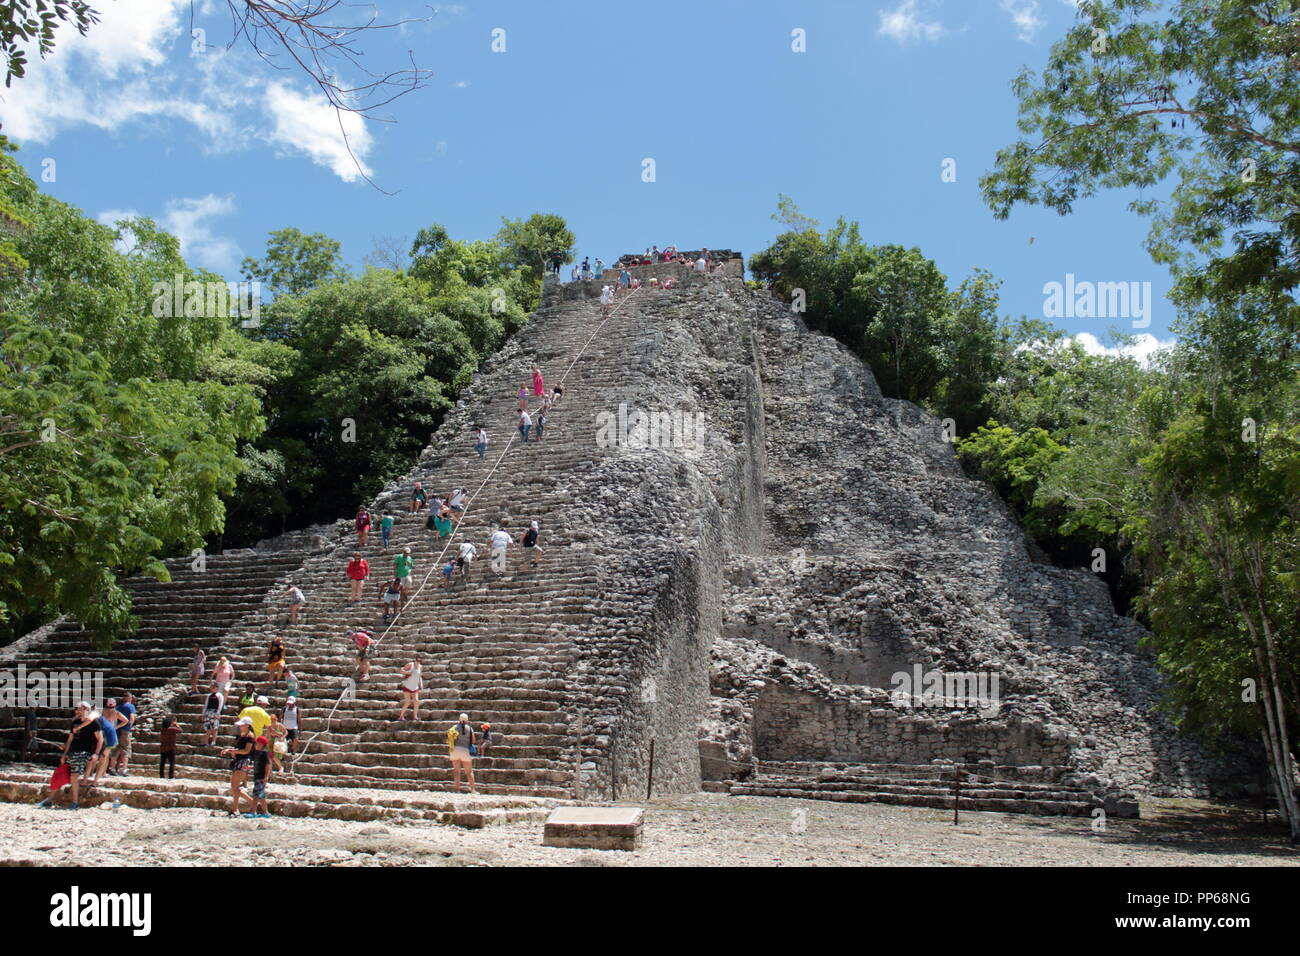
695,830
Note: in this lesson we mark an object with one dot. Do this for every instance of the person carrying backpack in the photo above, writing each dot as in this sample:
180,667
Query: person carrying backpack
212,715
465,560
531,552
460,744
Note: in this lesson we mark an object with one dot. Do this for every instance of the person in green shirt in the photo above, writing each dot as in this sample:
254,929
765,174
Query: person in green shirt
386,527
403,564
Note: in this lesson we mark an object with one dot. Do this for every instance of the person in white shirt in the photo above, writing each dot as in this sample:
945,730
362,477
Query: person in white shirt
465,559
296,600
458,500
290,719
525,424
412,682
481,442
701,264
606,301
501,541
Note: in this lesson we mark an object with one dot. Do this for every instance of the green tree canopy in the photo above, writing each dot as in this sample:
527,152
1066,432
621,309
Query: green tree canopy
296,262
529,243
1196,94
115,450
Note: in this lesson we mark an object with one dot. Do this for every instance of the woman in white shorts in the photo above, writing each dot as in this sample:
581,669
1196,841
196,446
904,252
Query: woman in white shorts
412,682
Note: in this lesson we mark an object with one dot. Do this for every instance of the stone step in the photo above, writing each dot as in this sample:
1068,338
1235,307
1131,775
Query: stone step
298,800
934,800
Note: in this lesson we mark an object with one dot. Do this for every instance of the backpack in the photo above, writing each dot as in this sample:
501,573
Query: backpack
452,734
530,538
431,521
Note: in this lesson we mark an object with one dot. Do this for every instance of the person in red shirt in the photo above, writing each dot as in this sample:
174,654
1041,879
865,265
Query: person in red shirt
358,571
364,643
363,526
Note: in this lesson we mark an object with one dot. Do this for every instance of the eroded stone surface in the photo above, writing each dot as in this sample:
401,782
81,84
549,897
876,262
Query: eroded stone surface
727,604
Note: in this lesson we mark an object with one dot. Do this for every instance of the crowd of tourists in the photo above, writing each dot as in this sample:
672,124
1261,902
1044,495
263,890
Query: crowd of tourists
588,271
98,741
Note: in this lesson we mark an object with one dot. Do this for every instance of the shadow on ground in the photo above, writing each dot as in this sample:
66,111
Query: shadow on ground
1199,826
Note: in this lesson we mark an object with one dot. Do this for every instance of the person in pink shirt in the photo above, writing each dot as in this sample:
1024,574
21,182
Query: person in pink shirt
223,676
539,386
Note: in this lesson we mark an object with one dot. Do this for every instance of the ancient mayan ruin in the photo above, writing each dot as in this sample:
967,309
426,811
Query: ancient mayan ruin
746,545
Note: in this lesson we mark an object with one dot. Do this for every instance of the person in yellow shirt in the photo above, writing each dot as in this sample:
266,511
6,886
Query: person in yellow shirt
258,715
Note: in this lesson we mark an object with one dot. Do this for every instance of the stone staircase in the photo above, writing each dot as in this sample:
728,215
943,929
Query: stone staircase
197,607
514,651
595,670
25,783
978,786
500,650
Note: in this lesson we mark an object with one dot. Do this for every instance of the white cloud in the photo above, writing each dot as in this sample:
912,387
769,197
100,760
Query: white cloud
136,66
907,24
311,125
1024,17
461,84
111,217
129,41
187,220
1144,345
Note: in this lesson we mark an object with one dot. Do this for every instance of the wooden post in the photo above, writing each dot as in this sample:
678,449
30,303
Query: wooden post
613,770
577,761
650,774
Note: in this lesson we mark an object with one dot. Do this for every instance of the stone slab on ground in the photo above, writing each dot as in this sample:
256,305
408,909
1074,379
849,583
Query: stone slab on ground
594,828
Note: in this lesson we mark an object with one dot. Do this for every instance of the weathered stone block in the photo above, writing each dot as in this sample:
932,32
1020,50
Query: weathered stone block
594,828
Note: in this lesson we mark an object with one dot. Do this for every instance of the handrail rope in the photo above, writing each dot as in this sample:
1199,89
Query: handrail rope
456,528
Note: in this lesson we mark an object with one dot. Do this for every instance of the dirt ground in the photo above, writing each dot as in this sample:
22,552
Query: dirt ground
696,830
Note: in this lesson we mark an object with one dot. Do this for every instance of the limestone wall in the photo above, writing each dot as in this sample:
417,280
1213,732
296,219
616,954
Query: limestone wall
794,725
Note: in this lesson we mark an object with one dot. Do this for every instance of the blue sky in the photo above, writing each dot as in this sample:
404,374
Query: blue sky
222,148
